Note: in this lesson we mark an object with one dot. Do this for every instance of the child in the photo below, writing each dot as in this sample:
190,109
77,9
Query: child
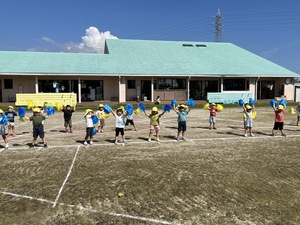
157,100
100,112
38,126
68,111
279,119
89,126
120,124
2,129
129,120
11,120
244,114
248,120
154,122
212,116
298,114
182,113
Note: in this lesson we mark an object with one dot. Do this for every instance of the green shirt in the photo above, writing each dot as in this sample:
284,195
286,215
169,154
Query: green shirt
37,121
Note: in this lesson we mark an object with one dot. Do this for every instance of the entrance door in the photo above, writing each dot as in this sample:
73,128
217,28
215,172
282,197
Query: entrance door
210,86
266,89
196,90
146,89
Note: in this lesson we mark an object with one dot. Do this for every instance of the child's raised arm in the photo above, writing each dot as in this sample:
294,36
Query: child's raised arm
112,112
145,113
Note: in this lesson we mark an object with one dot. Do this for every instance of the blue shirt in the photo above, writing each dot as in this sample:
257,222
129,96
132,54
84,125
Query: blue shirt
182,115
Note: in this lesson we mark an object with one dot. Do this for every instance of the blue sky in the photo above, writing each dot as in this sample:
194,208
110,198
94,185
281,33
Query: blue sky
268,28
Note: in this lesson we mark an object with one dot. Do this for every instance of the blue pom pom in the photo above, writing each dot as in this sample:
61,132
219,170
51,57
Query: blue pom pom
3,120
22,111
107,109
173,102
251,101
129,109
273,102
241,102
283,102
94,131
95,119
167,108
190,102
50,111
142,107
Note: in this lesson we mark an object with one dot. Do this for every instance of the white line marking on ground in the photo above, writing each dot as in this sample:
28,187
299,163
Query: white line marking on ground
26,196
91,210
67,177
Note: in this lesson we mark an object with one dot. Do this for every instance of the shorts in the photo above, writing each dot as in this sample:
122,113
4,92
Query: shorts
38,131
154,128
101,123
119,130
2,130
212,119
249,123
182,126
12,124
89,133
129,122
68,123
278,126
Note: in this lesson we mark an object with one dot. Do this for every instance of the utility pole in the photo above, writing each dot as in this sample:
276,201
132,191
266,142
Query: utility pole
218,29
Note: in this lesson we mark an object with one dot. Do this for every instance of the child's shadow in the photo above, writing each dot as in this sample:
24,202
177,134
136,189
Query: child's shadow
170,137
206,128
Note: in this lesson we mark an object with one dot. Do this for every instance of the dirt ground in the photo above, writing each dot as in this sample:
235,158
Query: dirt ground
215,177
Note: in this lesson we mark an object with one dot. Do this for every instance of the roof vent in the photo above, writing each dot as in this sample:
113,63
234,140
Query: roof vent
198,45
187,45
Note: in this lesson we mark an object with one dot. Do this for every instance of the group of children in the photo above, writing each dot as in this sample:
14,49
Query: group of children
122,119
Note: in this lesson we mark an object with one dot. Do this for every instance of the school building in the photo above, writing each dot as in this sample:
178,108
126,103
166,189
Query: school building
130,68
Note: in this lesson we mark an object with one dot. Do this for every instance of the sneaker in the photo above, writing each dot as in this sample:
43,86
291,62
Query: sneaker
149,139
116,142
246,135
70,131
91,142
178,138
157,139
13,135
45,146
31,146
125,142
283,135
214,128
183,138
85,143
252,135
6,146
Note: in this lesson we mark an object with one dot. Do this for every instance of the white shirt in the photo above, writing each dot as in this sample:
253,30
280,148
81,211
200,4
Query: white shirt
120,121
89,121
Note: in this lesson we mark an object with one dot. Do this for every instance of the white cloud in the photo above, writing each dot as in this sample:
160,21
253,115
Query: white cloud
92,42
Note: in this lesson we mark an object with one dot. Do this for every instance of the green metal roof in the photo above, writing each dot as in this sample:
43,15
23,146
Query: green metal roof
146,58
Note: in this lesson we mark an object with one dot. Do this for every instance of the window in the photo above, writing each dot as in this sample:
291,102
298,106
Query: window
8,84
131,84
235,85
171,84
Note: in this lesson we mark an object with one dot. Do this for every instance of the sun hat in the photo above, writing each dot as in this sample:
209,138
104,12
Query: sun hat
248,107
101,105
10,107
88,111
1,111
36,110
213,104
155,109
280,107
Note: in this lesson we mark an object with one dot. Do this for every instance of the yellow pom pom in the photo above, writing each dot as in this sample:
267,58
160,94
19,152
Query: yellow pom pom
105,115
30,104
254,115
59,106
219,108
292,111
137,111
206,106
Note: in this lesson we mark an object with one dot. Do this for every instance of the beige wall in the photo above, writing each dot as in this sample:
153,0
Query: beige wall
289,91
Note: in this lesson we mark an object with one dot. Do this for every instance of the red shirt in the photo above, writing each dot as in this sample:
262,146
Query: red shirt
213,111
279,116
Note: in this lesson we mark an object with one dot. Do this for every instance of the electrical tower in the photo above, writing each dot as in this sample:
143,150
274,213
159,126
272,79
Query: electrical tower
218,29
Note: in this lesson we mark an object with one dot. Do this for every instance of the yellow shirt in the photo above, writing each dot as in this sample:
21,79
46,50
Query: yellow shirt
154,119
